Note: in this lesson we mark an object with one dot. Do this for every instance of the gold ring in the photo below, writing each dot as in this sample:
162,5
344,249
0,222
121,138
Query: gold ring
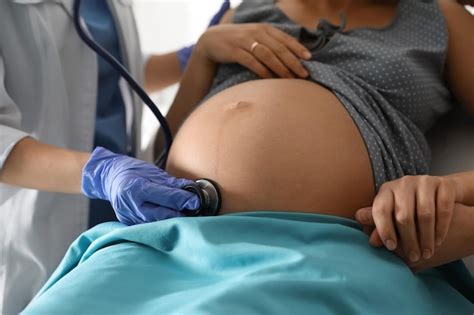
254,45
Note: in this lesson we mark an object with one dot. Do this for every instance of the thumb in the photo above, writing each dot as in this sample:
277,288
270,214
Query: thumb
173,198
364,216
151,213
375,239
367,229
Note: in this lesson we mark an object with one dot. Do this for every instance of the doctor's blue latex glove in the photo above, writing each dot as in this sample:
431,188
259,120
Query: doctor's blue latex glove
185,53
138,191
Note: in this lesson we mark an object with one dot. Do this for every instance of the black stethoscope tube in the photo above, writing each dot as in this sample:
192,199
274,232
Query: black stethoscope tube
161,162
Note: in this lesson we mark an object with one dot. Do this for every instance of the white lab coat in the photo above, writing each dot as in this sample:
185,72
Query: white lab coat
48,87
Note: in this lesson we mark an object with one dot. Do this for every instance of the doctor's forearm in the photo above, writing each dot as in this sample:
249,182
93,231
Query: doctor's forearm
162,71
35,165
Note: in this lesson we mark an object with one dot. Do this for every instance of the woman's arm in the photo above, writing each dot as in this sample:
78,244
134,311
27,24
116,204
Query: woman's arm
195,84
460,63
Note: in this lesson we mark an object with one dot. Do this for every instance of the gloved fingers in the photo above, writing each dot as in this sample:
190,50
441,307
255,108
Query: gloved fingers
169,197
126,220
162,178
146,213
152,212
127,209
178,182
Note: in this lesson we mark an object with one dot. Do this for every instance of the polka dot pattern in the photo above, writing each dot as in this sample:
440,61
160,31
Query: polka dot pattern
390,80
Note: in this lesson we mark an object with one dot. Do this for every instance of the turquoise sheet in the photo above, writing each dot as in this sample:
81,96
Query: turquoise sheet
245,263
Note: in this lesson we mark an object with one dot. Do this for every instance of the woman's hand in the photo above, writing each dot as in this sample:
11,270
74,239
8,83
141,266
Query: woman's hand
458,244
417,208
259,47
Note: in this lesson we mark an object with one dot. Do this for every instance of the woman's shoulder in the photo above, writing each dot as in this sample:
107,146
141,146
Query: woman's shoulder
458,19
460,24
452,8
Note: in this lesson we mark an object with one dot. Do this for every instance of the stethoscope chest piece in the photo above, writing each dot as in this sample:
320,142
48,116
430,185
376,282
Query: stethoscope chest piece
209,195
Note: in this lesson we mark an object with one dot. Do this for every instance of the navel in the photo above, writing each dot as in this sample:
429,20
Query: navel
239,105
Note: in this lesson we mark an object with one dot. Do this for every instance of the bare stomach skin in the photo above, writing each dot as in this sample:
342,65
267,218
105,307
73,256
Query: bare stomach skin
278,144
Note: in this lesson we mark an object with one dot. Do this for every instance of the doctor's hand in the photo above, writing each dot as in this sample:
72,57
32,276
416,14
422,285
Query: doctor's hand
138,191
259,47
414,211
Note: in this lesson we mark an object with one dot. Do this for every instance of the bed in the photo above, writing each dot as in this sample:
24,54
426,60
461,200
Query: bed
262,262
259,262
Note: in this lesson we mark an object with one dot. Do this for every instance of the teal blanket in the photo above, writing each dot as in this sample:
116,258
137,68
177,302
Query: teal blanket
245,263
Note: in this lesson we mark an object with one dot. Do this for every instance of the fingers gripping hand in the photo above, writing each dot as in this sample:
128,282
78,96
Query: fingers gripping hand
413,212
138,191
276,51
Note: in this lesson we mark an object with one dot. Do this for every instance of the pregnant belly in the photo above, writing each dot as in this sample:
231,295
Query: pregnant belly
278,144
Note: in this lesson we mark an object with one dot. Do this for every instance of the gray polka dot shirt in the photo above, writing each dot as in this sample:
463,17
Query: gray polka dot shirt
389,79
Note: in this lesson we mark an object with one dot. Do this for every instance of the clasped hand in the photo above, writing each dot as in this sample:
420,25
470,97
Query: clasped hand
412,216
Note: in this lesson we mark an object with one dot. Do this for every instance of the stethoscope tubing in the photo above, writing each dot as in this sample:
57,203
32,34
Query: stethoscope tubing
161,161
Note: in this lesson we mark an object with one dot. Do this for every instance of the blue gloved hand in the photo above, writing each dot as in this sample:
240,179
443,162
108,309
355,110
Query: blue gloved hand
185,53
138,191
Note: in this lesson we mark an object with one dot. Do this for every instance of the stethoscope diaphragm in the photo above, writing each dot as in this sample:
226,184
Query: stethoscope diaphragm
209,196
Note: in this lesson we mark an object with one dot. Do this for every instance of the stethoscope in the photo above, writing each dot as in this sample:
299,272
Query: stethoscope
206,189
